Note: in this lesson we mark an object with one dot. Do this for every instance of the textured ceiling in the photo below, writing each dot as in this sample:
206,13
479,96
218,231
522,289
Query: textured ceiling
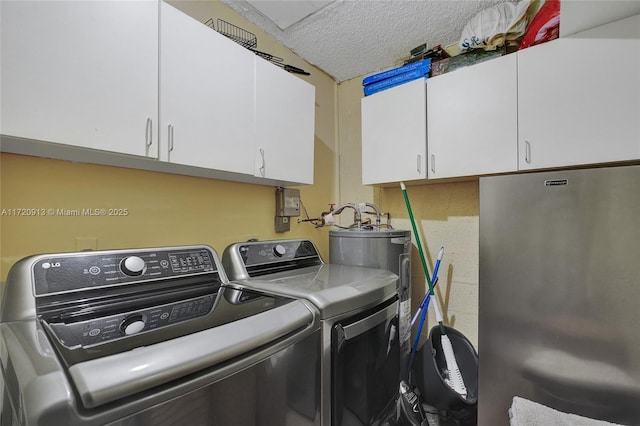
351,38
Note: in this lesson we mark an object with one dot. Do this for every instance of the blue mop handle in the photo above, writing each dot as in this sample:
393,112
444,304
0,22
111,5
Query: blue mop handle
424,307
425,299
414,348
437,267
421,323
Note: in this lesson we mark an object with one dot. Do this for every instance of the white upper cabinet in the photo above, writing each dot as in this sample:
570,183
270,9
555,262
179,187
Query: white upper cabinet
207,90
577,16
284,125
81,73
557,104
579,98
90,81
472,116
394,132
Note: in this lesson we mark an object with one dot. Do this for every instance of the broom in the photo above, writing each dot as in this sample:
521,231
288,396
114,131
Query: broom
455,380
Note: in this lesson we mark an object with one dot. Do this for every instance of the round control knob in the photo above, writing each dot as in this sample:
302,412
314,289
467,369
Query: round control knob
132,266
132,325
279,250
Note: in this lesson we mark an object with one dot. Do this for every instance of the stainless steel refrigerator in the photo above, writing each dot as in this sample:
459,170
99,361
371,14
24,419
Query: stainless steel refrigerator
560,293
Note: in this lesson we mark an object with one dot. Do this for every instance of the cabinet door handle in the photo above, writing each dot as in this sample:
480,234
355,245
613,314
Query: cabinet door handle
262,167
170,137
527,152
419,163
148,134
433,163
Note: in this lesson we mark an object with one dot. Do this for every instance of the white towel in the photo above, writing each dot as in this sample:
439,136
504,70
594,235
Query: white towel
528,413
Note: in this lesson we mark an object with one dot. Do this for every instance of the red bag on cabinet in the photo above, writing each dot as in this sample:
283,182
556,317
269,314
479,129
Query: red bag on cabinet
544,26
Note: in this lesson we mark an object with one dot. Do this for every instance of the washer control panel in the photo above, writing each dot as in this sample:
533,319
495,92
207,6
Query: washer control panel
89,270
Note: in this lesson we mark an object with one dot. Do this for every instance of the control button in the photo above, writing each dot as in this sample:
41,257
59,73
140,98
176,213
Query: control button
279,250
132,325
94,270
164,263
94,332
132,266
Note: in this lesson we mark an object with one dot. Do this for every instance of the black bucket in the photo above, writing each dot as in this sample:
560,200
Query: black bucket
429,369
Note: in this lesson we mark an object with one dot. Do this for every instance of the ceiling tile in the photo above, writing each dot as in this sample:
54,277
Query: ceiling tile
285,13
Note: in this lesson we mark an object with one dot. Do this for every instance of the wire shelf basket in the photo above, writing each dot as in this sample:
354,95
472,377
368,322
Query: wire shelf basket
249,41
235,33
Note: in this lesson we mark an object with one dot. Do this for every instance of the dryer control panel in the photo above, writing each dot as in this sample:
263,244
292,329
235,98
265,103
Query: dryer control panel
255,258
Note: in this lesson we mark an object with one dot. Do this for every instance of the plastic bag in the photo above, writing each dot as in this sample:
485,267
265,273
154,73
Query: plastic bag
544,26
494,26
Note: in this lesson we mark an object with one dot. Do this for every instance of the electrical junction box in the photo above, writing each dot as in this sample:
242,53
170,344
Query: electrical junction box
287,205
287,202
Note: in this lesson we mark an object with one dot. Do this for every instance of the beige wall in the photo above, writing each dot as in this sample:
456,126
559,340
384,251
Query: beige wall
163,209
447,214
350,151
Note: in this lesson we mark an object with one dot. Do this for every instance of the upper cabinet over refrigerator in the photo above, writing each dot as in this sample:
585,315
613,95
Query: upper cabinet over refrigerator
472,120
69,78
579,98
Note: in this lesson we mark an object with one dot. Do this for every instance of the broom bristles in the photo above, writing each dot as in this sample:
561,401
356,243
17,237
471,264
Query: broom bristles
455,376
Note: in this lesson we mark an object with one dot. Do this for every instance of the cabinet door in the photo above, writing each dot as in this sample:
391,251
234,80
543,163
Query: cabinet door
472,120
285,117
81,73
394,134
206,96
579,101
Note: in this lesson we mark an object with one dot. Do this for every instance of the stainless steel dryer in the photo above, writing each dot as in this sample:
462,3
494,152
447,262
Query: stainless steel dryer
359,312
389,249
152,337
